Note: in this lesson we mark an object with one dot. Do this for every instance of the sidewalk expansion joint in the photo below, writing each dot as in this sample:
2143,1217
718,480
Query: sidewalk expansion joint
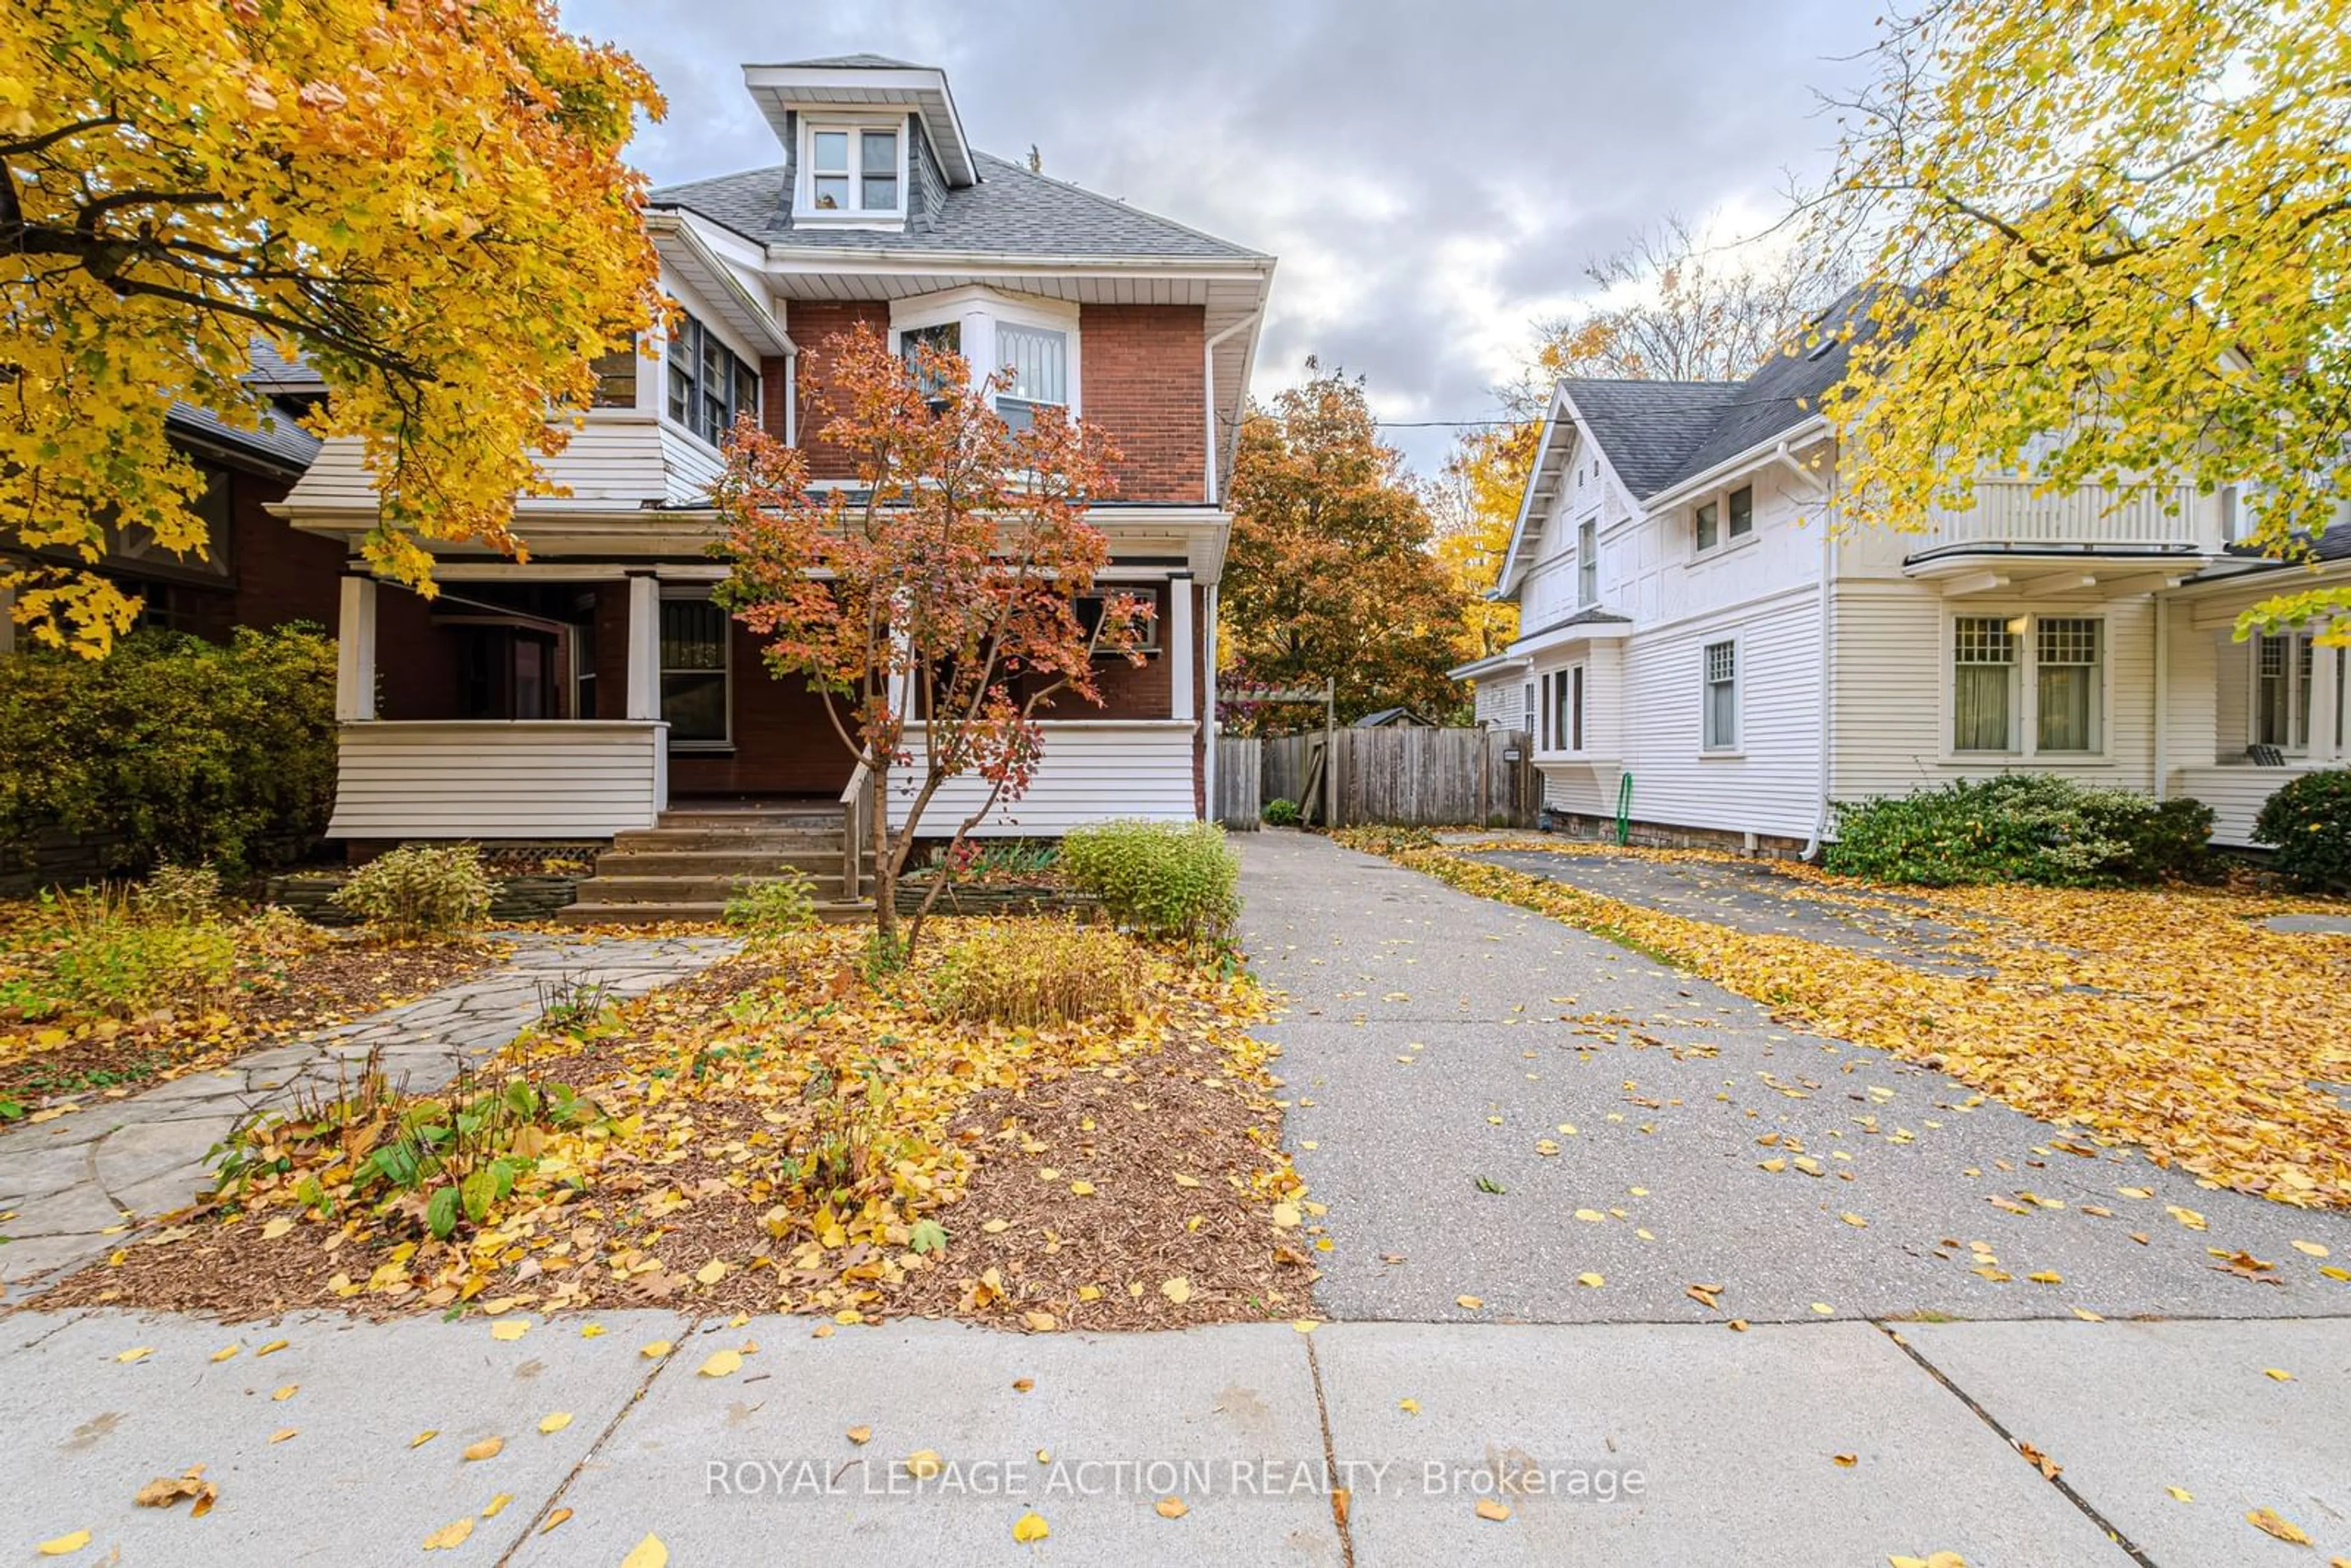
2106,1526
1341,1504
533,1525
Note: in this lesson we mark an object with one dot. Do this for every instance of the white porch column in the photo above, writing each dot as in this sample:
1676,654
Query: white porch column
645,647
355,652
2324,675
1178,643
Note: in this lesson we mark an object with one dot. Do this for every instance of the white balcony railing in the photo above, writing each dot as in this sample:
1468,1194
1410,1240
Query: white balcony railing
2012,513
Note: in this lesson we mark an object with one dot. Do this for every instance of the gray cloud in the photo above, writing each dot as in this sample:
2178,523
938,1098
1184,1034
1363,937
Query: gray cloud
1433,177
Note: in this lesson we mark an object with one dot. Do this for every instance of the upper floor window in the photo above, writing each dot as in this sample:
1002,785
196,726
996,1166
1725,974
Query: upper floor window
616,379
709,385
1031,344
1037,361
1736,509
1587,562
853,171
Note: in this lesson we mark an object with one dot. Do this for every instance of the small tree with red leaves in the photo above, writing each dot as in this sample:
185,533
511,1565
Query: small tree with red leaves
933,602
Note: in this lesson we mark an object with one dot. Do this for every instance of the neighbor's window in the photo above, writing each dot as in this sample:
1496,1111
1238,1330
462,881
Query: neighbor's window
616,379
853,171
2069,685
1038,358
1740,505
1562,717
1526,707
694,672
709,385
1709,525
1983,684
1722,661
1575,708
2282,692
1540,722
1587,562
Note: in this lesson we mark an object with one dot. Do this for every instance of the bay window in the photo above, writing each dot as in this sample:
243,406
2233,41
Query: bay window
709,385
1038,362
1031,343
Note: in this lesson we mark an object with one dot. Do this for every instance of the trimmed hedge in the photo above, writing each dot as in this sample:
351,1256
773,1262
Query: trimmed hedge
2036,828
2308,821
187,751
1175,882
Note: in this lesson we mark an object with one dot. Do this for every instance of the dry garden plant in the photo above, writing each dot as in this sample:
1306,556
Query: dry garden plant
109,988
1030,1123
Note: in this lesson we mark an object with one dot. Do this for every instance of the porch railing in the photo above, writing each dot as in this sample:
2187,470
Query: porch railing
856,824
2011,512
499,778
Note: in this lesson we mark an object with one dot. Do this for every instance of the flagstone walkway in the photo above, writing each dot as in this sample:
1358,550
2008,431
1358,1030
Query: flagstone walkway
67,1182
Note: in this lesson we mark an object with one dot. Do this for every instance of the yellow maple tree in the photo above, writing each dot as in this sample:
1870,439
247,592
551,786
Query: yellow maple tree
1486,475
423,200
2108,239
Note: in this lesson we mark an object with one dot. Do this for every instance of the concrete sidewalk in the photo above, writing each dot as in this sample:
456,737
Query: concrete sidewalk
1664,1445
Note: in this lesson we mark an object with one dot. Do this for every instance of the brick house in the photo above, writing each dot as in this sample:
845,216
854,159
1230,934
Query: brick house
585,692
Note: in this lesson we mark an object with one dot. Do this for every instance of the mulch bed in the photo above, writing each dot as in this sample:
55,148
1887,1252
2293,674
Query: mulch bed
1050,1257
277,999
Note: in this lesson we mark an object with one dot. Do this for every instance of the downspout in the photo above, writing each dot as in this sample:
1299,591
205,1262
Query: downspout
792,398
2162,696
1208,725
1828,652
1208,386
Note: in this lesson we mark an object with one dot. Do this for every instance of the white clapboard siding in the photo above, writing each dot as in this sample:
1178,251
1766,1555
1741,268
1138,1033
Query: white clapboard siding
615,458
585,779
2235,794
1091,769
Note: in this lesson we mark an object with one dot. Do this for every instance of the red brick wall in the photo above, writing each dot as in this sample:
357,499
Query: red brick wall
771,395
282,574
1142,384
784,745
810,324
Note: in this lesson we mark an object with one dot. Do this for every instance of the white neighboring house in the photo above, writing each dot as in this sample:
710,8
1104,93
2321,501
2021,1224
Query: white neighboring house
1698,649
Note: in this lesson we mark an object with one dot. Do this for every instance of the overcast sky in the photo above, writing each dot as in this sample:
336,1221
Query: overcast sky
1432,175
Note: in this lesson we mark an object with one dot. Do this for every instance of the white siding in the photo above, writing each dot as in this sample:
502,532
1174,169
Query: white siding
2236,795
1502,702
584,778
1091,769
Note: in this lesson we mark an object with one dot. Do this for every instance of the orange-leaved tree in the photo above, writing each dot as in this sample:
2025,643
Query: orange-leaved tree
426,201
939,600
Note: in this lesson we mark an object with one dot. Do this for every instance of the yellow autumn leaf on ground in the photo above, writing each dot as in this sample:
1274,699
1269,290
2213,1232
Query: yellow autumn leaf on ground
591,1330
1178,1290
722,1363
449,1536
59,1546
424,1436
2277,1374
1824,1308
2046,1277
287,1393
556,1422
137,1353
1305,1325
655,1351
1592,1281
2267,1521
924,1463
2312,1249
2179,1494
647,1554
710,1273
225,1354
510,1328
283,1433
2187,1217
487,1449
277,1227
861,1436
558,1517
1471,1303
1854,1220
1492,1508
497,1505
1171,1507
273,1347
1409,1407
1030,1527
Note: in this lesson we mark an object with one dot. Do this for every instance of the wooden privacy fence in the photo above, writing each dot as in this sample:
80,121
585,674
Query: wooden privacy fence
1429,778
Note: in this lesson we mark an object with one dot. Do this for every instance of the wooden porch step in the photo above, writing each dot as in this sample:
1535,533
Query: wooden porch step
739,840
725,861
616,883
752,818
693,911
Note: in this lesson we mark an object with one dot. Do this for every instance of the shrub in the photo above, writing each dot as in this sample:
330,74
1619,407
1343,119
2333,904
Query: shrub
2034,828
2309,824
1030,974
773,906
112,961
183,750
418,891
179,893
1280,813
1169,880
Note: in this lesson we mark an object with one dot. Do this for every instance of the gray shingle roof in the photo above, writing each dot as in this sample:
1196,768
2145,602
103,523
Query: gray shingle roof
1011,212
852,63
1658,433
280,443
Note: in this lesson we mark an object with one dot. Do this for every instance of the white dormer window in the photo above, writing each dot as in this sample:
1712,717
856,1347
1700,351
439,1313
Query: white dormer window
851,172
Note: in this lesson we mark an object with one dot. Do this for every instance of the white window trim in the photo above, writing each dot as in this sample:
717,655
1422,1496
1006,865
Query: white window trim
2295,688
2027,721
1721,501
1591,522
978,308
725,742
1738,745
822,117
